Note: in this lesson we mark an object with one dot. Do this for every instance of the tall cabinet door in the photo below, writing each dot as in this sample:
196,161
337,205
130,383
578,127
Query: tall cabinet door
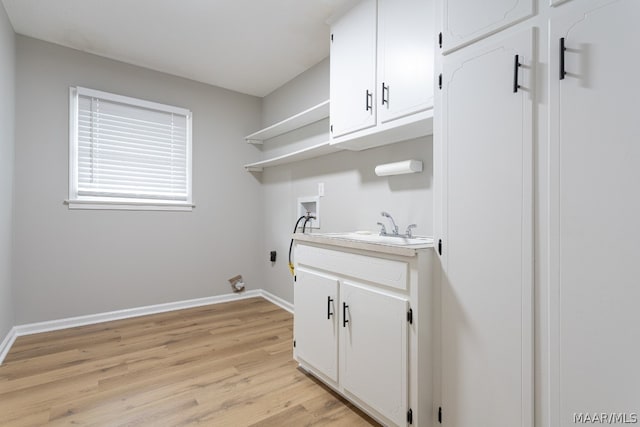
595,211
373,349
315,322
487,325
465,21
353,69
405,57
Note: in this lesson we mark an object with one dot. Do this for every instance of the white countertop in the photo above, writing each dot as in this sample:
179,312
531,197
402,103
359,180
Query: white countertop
353,241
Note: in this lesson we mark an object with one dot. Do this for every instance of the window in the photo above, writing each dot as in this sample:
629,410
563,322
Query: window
126,153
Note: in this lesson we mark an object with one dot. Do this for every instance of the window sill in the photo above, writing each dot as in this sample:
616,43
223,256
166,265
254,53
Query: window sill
129,205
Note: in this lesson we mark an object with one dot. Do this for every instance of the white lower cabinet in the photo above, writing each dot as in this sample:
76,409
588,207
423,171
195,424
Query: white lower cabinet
369,341
373,348
316,321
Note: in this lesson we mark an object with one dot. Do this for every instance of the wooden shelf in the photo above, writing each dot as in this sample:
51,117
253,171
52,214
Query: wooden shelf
297,121
303,154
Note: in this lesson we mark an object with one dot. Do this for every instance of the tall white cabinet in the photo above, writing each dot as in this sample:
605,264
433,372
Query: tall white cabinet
595,210
538,212
465,21
487,234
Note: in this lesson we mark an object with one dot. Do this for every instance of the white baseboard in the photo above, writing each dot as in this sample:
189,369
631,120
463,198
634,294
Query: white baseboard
6,344
72,322
285,305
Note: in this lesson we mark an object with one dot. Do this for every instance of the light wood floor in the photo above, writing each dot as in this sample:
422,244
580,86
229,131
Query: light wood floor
221,365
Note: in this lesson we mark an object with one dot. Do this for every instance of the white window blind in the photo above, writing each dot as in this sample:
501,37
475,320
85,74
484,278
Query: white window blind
129,150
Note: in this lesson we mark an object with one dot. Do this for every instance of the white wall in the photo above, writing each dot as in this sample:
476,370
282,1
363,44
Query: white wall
76,262
7,109
354,196
304,91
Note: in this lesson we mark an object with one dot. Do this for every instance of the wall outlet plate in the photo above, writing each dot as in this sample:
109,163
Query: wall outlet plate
310,204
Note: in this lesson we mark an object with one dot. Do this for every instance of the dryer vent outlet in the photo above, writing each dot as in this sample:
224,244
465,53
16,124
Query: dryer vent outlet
237,284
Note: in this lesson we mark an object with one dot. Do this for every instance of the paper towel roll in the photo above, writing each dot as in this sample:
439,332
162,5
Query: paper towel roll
398,168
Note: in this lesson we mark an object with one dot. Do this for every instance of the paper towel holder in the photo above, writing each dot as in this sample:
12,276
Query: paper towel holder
399,168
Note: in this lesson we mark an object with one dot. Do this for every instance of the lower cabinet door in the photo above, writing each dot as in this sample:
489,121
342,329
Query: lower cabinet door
373,349
316,321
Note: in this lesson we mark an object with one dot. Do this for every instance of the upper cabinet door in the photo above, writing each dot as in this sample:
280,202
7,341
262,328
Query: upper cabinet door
487,250
595,210
405,57
353,69
465,21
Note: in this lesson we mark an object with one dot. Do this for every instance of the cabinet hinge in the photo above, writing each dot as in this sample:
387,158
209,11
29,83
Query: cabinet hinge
410,316
294,343
440,81
440,414
410,416
439,246
439,40
331,38
331,128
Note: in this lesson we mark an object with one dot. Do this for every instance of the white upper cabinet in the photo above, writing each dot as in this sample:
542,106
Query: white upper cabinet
405,58
595,209
487,241
382,55
353,69
465,21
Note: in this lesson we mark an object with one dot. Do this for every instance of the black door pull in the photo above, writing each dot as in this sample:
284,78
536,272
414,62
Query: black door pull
344,314
369,100
562,51
329,313
516,66
385,91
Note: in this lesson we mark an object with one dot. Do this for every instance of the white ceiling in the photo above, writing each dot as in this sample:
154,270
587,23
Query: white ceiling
250,46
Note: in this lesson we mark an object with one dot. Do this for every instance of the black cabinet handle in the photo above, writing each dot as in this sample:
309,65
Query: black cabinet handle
344,314
329,313
516,66
369,100
385,90
562,51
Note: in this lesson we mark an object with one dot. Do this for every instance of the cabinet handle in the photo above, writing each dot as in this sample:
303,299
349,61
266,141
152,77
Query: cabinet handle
562,50
344,314
369,100
385,99
329,313
516,65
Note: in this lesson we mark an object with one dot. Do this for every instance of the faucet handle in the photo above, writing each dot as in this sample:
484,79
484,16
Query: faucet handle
409,228
383,229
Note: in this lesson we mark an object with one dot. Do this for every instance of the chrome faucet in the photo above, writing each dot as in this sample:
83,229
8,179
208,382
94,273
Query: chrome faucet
394,227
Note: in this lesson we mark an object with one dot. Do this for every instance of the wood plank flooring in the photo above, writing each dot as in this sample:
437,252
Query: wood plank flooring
221,365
